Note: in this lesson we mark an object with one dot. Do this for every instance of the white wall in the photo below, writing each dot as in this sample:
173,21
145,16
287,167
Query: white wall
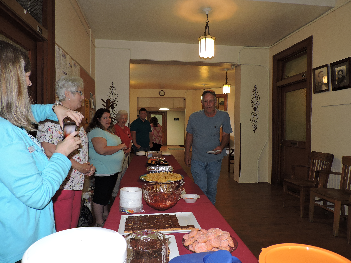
254,71
112,65
73,34
331,123
175,128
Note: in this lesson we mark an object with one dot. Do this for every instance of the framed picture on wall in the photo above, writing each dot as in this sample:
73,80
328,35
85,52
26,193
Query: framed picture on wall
321,79
340,74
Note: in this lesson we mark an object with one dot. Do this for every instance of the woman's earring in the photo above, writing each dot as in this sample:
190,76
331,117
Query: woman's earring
69,99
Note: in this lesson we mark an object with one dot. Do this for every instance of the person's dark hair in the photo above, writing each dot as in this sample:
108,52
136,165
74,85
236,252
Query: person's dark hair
142,109
208,91
95,123
154,121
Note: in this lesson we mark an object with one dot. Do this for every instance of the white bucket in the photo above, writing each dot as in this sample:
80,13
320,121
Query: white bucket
84,244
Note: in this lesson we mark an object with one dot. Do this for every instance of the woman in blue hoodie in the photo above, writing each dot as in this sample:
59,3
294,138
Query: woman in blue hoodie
28,179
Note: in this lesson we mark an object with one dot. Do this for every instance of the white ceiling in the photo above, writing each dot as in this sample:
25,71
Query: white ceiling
255,23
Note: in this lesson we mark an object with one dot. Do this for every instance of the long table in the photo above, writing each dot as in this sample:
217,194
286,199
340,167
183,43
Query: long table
204,211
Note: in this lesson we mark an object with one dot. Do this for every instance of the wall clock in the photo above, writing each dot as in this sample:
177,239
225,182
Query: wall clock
161,92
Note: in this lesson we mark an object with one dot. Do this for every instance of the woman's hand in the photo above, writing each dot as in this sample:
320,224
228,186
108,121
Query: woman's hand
62,112
85,168
69,144
123,146
127,151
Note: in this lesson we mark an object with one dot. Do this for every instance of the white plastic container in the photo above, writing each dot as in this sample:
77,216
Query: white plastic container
190,198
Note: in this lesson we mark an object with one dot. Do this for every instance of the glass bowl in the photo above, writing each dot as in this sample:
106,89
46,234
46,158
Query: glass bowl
162,196
147,246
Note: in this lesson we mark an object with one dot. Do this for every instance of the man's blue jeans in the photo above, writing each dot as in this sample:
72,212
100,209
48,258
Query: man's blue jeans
206,175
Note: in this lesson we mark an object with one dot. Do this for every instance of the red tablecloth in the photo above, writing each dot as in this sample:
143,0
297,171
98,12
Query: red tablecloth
204,211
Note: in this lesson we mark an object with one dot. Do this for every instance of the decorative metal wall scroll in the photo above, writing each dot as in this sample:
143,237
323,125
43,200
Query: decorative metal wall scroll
255,102
111,102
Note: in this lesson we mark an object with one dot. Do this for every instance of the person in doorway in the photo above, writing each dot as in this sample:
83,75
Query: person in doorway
208,149
67,200
106,153
28,179
123,132
156,134
141,132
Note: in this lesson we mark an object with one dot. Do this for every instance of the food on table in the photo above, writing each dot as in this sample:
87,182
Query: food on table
147,246
159,222
162,177
213,239
157,161
162,196
159,168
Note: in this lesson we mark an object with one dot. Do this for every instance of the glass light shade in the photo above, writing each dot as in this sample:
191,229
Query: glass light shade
226,88
206,46
163,109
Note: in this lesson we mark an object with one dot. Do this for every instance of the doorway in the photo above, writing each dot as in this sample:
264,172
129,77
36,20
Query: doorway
162,120
291,109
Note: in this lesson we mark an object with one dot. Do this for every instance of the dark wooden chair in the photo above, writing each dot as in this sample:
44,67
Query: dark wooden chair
349,223
331,199
301,187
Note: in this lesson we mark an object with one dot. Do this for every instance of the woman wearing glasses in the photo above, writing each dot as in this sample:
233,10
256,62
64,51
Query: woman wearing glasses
67,200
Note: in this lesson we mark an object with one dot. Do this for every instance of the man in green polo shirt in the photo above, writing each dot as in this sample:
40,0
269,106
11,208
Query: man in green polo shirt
141,132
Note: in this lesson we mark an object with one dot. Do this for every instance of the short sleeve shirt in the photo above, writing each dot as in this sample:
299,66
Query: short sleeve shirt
105,164
142,129
206,134
51,132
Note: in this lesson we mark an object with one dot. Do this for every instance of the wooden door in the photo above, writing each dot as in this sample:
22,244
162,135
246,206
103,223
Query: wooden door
293,124
291,109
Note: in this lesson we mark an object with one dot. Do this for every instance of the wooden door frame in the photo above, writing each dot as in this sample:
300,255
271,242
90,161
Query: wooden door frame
277,83
23,30
164,123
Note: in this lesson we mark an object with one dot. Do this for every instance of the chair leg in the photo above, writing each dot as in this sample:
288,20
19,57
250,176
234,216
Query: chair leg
302,202
337,208
311,210
349,225
285,190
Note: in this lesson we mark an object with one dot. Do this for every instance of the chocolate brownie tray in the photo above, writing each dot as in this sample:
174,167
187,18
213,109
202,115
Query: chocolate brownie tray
181,222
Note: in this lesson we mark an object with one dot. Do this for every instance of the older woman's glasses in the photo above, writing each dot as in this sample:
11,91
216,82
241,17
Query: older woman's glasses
80,92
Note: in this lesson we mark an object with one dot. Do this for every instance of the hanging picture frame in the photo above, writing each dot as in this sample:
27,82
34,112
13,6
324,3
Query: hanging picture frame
340,74
321,79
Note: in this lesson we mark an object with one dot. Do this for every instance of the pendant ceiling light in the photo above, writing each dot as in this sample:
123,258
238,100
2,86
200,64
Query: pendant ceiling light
226,86
206,42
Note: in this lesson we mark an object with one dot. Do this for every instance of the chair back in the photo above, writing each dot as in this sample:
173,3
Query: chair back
345,182
319,162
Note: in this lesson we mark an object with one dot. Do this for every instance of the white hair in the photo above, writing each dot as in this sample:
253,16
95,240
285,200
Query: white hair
68,83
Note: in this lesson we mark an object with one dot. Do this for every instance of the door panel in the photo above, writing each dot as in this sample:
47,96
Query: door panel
293,145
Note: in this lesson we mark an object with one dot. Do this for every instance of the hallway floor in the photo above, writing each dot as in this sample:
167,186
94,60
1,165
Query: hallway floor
256,213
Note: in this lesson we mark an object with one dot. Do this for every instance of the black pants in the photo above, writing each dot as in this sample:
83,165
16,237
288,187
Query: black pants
156,147
103,188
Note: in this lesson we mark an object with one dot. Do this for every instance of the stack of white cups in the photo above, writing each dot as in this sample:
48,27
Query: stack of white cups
131,199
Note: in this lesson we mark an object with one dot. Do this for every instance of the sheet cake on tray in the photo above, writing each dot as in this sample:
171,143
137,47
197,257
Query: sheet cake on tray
182,222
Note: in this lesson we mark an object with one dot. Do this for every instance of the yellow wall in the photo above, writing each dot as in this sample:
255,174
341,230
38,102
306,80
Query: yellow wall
73,34
331,124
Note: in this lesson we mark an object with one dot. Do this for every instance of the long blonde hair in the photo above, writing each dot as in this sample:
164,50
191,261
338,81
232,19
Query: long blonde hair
14,98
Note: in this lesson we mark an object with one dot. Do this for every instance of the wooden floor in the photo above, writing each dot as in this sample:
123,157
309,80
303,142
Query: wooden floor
256,213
